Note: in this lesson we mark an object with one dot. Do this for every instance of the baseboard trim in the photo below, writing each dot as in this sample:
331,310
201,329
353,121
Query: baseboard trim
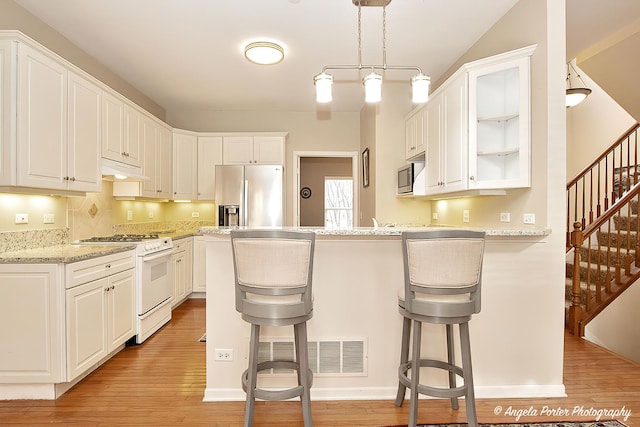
389,393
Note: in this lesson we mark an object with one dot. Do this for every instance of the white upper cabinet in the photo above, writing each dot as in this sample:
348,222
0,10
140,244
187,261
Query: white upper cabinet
185,165
84,135
415,133
121,125
8,87
209,155
245,150
157,148
476,129
42,120
499,124
58,126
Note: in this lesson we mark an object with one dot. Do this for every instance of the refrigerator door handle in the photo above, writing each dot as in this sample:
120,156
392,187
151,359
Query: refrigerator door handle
245,201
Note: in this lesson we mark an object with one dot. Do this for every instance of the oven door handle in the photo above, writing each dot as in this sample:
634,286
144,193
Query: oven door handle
157,255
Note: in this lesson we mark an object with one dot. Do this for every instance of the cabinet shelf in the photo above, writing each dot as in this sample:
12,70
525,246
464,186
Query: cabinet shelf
506,152
498,118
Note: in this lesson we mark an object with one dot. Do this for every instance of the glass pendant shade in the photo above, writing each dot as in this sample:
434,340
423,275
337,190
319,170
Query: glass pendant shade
323,82
420,88
372,87
576,95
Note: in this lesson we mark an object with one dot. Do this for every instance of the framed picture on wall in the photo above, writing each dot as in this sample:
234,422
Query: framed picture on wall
365,167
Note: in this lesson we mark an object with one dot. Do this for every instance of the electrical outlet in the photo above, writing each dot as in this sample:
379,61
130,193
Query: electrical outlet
150,214
195,214
505,217
129,215
22,218
434,216
465,215
49,218
225,354
529,218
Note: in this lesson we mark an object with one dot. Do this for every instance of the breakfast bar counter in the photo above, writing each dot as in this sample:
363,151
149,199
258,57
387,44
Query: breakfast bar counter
354,335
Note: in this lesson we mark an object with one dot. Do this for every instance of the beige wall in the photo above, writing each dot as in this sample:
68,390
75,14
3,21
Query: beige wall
520,27
336,132
14,17
35,207
592,126
313,171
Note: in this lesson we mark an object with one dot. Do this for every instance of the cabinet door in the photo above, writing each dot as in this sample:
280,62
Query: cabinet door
185,166
42,121
179,277
86,326
454,122
410,137
149,159
7,110
188,266
84,135
132,146
164,161
199,265
268,150
121,308
415,134
237,150
433,165
32,334
209,155
112,127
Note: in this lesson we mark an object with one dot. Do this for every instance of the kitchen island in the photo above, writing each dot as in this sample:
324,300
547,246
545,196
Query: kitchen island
354,335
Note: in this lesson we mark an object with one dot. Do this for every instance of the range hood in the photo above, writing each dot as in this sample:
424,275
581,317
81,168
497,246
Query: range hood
116,171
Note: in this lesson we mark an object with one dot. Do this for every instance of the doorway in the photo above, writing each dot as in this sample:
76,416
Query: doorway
313,172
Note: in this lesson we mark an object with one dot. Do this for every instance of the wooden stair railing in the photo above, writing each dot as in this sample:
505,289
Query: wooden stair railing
606,259
603,182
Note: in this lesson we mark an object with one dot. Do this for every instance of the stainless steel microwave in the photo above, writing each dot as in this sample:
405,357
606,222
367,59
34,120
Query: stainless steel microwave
405,179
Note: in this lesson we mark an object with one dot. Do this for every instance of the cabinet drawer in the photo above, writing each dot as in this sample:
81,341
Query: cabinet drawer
181,245
88,270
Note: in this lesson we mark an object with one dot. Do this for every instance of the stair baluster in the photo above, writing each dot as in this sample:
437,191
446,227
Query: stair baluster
575,311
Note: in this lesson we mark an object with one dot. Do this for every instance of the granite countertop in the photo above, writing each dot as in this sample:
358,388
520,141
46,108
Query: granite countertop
62,254
491,232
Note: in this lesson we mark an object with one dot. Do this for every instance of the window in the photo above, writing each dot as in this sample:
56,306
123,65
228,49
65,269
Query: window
338,202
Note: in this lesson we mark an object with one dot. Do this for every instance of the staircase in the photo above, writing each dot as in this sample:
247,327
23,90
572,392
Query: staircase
603,249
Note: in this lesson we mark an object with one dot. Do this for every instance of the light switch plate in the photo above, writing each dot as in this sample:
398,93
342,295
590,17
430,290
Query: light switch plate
49,218
529,218
195,214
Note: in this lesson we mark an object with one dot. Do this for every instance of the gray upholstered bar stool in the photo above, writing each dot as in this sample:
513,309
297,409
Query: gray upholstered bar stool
442,277
273,270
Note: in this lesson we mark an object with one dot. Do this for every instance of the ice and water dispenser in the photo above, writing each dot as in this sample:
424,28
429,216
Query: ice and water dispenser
228,215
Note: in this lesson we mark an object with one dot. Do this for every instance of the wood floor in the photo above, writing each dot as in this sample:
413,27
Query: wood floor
161,383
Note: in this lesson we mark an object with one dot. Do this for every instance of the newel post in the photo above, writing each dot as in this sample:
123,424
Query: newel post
575,310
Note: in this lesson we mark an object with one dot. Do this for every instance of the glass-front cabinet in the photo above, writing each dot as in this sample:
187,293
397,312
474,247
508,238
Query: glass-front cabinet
499,124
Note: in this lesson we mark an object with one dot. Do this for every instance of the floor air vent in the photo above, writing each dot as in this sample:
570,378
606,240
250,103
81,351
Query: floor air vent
328,357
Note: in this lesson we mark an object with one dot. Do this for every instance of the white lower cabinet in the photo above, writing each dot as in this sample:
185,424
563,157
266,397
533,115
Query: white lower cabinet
199,264
100,317
182,262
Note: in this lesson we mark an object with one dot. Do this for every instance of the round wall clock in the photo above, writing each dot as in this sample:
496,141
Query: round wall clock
305,192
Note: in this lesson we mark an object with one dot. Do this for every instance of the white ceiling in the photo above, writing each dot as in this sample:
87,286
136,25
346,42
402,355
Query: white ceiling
187,54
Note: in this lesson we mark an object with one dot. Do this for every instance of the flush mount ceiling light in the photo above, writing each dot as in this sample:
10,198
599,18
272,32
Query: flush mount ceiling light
264,53
372,81
575,95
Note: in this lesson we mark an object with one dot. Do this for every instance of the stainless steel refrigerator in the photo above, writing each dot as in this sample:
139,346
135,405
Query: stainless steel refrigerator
250,195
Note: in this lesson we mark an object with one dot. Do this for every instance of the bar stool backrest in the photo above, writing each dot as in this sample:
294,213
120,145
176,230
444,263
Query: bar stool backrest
443,272
273,273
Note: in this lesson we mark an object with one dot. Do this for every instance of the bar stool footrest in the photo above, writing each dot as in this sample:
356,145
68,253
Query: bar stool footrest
441,392
283,394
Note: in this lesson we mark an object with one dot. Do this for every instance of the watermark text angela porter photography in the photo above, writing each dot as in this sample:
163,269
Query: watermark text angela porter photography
620,413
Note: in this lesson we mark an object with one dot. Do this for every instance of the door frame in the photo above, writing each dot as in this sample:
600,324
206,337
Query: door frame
353,155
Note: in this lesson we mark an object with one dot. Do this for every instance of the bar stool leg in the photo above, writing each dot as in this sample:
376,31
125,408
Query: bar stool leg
404,357
302,357
415,372
470,400
252,376
451,360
